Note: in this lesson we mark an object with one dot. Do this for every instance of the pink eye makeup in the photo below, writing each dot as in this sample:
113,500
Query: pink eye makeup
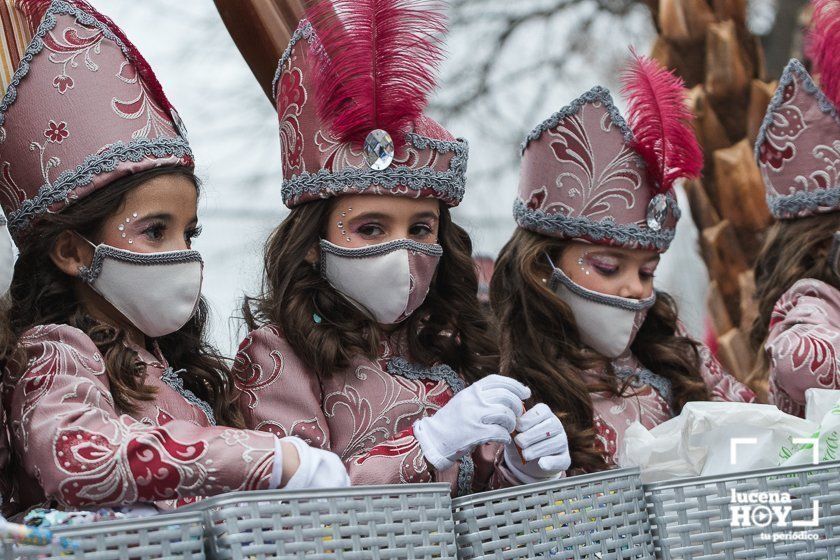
369,225
603,264
649,271
153,227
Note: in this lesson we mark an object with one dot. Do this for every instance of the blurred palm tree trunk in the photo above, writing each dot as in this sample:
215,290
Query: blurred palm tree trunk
707,43
261,30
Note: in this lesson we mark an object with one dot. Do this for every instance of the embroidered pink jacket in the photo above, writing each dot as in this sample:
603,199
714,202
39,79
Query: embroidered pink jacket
649,399
76,450
364,414
802,344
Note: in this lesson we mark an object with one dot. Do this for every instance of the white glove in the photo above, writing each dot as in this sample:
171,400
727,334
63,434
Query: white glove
318,468
485,411
544,446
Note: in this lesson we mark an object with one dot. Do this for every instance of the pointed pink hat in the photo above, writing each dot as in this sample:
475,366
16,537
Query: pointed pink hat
351,93
798,146
82,110
587,174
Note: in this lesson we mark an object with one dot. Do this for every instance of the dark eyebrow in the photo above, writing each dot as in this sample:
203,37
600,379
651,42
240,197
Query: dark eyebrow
608,252
371,216
425,215
162,216
619,255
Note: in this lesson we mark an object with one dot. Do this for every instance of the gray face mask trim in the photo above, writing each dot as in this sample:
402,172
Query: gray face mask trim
101,252
349,286
559,277
431,249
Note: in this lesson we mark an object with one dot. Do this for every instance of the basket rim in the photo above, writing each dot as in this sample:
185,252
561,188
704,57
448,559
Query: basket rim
249,496
728,477
161,520
538,487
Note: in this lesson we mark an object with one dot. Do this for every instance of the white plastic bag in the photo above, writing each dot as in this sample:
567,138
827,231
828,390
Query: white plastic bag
824,405
818,402
701,440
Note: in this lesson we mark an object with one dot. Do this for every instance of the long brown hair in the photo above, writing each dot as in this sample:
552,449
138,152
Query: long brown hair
449,327
541,346
8,340
792,250
42,294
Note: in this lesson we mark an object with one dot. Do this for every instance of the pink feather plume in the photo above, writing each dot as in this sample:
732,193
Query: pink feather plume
661,122
381,63
34,11
823,46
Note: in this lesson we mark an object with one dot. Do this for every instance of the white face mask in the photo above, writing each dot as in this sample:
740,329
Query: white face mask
157,292
389,280
7,256
607,324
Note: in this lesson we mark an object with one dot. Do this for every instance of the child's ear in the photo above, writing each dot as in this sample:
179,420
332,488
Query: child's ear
313,254
70,252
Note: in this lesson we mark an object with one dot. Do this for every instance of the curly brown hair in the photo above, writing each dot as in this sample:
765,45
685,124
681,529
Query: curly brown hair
8,340
42,294
541,346
449,327
792,250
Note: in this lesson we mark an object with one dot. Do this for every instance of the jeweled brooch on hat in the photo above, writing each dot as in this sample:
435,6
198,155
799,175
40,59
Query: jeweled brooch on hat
379,149
657,212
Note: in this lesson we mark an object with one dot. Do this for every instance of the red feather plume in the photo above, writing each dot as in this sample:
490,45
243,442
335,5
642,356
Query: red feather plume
379,65
661,122
823,46
34,11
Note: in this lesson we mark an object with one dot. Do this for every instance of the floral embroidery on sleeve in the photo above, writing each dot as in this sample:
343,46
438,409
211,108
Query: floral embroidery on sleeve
82,452
802,343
